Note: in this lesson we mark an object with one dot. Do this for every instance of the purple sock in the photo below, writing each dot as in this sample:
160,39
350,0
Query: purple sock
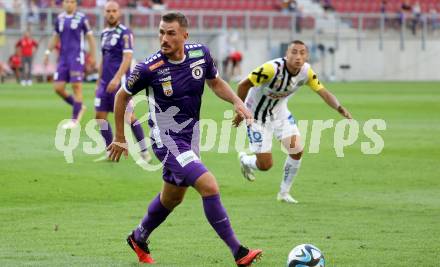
217,217
139,134
76,109
107,134
156,214
69,100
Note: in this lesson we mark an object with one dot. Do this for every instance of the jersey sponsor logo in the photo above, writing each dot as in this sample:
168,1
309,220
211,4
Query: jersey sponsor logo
196,53
197,72
167,88
132,79
156,65
278,95
166,79
164,71
198,62
187,157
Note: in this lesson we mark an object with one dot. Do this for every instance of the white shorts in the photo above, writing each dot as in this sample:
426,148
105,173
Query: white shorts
260,135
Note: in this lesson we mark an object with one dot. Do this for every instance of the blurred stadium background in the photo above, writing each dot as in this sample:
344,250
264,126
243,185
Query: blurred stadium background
348,39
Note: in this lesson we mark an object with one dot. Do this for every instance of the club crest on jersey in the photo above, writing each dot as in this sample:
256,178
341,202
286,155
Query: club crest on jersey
113,41
197,72
74,24
167,88
277,83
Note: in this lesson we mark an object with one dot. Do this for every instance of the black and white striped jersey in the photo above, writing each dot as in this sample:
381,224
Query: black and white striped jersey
274,84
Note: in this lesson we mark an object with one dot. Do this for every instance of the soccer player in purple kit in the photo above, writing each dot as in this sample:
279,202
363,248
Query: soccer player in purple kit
175,77
117,53
70,28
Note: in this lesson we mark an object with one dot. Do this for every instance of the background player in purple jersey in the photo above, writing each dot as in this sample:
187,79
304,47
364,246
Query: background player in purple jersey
70,28
117,53
175,77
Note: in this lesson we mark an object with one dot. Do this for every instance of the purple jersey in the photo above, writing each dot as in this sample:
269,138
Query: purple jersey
71,30
114,43
174,90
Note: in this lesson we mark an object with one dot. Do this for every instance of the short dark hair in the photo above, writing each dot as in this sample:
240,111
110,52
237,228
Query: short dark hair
297,42
176,16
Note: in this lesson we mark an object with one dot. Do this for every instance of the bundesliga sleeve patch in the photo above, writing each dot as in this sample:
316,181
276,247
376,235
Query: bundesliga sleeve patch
196,53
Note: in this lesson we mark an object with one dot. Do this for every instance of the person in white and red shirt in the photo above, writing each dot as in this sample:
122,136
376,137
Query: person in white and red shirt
27,47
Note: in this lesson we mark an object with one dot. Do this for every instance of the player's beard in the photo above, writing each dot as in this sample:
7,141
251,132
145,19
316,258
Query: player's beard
114,24
168,50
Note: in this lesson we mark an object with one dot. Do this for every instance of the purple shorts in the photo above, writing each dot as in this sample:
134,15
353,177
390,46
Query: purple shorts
183,169
69,71
104,101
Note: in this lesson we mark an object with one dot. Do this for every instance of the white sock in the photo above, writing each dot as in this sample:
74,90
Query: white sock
291,167
250,161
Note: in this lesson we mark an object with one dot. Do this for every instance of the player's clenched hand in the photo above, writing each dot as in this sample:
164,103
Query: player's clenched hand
243,112
344,112
113,85
116,149
237,120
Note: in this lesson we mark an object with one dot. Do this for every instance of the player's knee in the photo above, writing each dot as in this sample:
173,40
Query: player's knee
264,165
99,117
297,156
58,89
210,190
171,202
295,148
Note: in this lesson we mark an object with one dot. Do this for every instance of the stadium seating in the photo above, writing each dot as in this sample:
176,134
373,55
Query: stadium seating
343,6
374,6
223,4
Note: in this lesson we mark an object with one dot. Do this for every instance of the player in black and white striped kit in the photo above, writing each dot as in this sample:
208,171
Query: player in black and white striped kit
266,92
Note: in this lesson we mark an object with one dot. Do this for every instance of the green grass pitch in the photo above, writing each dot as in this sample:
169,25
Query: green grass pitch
360,210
